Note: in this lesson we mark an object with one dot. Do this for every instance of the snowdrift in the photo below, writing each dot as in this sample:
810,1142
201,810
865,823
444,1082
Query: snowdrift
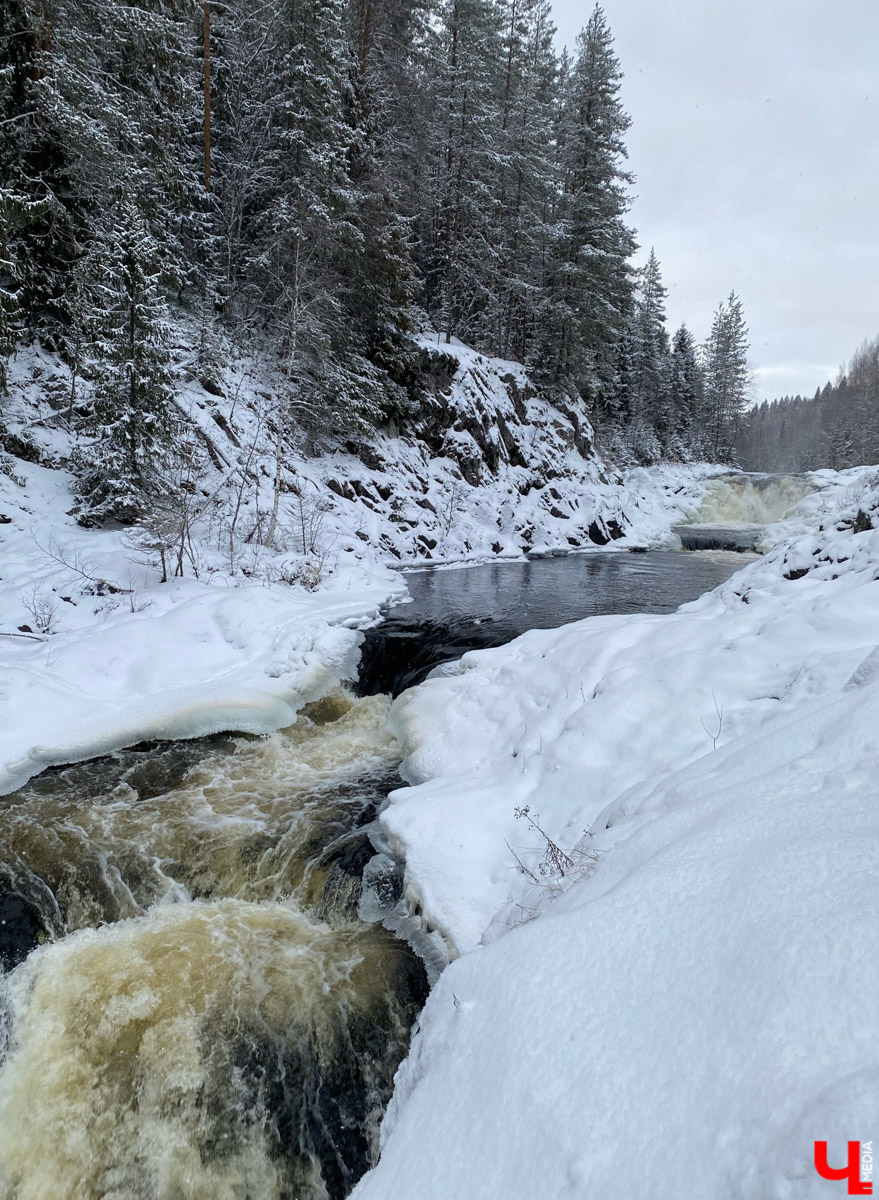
173,660
667,962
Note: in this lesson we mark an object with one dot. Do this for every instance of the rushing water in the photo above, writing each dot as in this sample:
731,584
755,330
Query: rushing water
193,1008
736,509
213,1020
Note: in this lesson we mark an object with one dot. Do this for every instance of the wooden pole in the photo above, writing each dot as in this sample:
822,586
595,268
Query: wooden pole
206,12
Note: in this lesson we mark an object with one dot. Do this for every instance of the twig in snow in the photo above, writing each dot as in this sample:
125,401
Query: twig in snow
718,708
525,870
73,560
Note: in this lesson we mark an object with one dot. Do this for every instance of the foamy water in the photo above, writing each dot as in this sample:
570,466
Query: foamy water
213,1021
743,500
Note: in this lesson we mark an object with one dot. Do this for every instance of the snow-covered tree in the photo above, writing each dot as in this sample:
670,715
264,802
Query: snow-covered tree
10,282
651,404
686,394
461,256
726,377
366,157
525,174
588,284
132,418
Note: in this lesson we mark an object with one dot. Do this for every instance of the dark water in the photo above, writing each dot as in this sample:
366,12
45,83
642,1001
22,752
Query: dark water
208,1011
720,537
190,989
477,607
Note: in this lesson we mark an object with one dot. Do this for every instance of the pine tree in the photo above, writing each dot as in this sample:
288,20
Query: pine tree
727,377
132,417
588,283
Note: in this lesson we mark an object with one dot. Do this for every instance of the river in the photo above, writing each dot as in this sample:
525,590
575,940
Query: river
193,1007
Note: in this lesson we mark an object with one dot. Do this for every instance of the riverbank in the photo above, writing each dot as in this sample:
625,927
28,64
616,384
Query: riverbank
96,652
650,841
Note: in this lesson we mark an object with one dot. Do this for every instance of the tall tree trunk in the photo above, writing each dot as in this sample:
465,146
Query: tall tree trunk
283,412
206,28
365,40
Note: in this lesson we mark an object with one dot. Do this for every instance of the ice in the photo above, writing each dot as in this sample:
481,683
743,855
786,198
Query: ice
174,660
647,843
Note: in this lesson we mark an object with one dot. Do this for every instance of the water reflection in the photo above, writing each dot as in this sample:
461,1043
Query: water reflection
453,611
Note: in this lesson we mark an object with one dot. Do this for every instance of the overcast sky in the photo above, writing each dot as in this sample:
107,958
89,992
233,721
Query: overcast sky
755,141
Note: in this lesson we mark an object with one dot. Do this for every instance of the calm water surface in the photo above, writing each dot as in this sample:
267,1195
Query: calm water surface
455,610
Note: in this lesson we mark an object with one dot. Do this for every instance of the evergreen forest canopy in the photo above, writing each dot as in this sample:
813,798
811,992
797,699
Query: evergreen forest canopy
331,177
838,427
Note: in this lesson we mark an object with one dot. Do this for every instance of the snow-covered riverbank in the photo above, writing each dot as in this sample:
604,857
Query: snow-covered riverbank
648,839
110,656
191,659
97,653
666,988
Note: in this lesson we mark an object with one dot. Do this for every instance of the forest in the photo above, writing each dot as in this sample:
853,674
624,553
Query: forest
326,179
838,427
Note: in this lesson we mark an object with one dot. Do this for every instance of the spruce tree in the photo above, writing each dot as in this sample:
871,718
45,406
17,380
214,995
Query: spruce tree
686,392
650,407
588,285
462,255
132,419
727,377
10,282
380,283
95,98
525,175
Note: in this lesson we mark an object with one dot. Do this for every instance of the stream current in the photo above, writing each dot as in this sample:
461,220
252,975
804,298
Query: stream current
192,1006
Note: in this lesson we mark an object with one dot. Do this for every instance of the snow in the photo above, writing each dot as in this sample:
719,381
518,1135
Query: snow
173,660
116,656
646,842
689,1006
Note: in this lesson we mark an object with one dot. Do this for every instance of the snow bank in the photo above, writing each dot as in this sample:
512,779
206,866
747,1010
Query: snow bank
172,660
688,1007
492,469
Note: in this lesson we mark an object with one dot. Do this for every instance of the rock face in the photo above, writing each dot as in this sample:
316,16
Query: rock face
484,465
489,466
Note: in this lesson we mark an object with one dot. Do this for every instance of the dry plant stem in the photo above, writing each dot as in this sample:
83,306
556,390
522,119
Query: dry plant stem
73,560
715,736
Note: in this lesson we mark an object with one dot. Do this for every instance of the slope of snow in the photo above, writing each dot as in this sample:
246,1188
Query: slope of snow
492,469
110,655
668,991
125,658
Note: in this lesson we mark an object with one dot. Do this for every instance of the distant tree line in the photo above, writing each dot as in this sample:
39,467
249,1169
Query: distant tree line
330,176
837,427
